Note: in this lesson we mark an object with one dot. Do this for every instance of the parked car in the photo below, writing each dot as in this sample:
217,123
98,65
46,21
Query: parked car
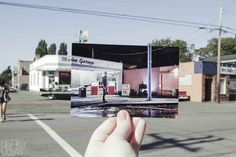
183,96
24,86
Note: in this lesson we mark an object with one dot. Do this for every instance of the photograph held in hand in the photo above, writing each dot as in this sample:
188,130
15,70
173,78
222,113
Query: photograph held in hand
108,78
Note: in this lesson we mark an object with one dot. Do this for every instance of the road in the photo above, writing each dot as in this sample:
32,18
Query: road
201,130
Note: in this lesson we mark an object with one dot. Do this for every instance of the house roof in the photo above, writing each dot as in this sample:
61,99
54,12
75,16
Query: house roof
226,58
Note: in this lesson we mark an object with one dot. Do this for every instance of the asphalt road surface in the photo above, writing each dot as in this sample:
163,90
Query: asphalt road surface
37,127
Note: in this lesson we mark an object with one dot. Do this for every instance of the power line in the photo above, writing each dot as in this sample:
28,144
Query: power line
229,28
124,16
189,35
138,53
125,54
113,15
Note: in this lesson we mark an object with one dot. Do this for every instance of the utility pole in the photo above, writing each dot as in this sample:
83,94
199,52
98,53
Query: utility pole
218,55
149,72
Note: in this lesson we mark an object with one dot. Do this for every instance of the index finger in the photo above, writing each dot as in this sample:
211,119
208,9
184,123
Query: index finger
103,131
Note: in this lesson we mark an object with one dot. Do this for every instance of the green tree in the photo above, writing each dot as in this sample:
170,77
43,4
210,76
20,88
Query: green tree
6,76
228,47
185,51
63,49
41,50
52,49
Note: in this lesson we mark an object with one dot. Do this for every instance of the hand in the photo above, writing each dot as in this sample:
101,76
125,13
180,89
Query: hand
117,137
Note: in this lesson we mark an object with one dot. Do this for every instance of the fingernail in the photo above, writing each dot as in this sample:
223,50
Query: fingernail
121,115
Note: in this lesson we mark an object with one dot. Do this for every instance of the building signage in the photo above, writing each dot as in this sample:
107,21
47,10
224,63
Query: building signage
84,61
185,80
81,62
65,59
228,70
77,60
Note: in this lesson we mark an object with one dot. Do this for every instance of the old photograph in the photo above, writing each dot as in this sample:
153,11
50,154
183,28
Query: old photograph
109,78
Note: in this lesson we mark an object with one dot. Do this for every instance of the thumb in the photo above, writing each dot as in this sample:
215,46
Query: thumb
123,128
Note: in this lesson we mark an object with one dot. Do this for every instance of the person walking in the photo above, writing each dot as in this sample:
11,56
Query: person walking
104,86
4,99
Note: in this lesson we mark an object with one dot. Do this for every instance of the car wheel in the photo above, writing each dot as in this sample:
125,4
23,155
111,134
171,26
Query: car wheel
51,97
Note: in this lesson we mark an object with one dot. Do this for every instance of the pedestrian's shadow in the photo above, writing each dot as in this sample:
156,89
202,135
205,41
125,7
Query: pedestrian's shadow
187,144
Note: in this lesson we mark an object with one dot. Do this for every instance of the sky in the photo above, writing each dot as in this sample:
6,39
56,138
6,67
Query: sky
22,28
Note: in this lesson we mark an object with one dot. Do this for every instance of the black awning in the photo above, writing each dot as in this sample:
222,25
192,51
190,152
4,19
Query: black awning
129,55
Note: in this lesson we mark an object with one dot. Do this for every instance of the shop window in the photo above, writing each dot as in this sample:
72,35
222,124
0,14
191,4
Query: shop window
64,78
222,86
24,72
51,74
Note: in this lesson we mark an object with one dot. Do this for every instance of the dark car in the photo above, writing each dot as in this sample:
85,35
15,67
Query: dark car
24,86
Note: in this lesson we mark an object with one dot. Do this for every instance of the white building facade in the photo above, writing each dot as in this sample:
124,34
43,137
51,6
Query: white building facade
89,72
49,68
20,77
73,70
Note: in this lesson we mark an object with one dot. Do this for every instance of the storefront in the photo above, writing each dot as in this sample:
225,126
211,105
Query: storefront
228,85
48,69
164,79
133,68
88,73
198,80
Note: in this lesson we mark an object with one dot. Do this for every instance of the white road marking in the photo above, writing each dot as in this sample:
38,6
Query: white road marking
68,148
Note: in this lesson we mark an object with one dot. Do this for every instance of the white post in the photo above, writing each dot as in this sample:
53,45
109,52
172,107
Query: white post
149,72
